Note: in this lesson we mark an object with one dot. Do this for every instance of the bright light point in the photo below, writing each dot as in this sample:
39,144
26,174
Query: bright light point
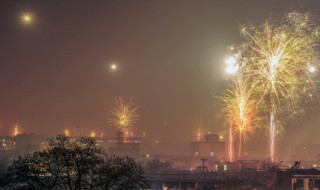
92,134
67,132
274,62
232,69
231,60
113,67
232,64
16,131
274,59
312,69
27,18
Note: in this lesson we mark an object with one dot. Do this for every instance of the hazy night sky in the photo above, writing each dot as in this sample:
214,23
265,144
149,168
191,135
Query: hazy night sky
54,73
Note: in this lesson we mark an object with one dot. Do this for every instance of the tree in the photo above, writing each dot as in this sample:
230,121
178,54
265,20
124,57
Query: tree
121,173
75,165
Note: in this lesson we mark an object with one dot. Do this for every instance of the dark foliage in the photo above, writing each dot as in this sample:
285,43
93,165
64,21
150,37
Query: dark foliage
155,166
74,165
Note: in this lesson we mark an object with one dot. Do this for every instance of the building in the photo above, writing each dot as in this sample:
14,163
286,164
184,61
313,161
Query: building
209,154
307,152
212,147
298,179
11,147
123,146
30,142
7,143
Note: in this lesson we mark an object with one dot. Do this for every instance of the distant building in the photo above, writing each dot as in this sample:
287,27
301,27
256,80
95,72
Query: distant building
212,147
208,155
305,152
23,142
11,147
7,143
30,142
123,146
298,179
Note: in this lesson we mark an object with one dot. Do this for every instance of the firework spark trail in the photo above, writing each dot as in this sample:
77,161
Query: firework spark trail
241,112
279,55
231,151
272,135
198,127
198,133
124,115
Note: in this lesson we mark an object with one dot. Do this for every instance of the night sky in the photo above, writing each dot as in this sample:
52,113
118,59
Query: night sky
54,73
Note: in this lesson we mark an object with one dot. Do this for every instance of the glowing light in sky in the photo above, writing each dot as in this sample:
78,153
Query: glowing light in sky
67,132
273,65
231,60
16,131
113,67
92,134
199,133
27,18
232,66
312,69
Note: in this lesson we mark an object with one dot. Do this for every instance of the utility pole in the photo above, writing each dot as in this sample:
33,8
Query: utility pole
203,160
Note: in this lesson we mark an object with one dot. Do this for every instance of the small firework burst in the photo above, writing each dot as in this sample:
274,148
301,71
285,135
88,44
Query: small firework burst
123,115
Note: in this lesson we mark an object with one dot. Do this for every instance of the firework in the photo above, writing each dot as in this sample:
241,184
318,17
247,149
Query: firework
279,58
66,132
198,128
92,134
241,108
198,133
16,131
124,115
240,112
231,151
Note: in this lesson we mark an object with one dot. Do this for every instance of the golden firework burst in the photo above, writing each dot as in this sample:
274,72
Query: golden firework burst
124,114
241,109
279,58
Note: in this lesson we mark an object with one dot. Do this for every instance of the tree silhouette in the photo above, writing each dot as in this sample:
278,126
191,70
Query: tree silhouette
74,165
